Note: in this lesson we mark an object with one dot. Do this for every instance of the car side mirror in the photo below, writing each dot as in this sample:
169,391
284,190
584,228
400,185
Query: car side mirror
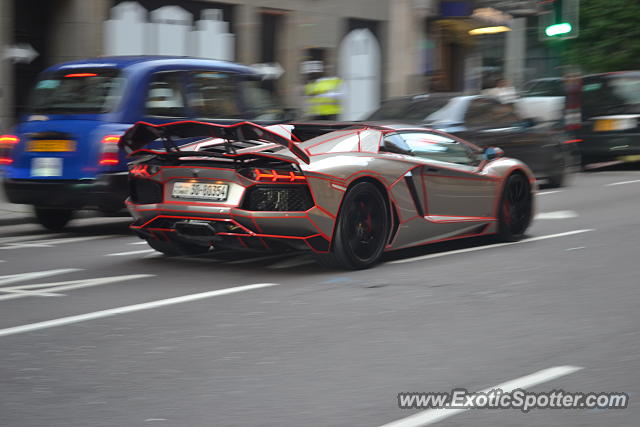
395,145
492,153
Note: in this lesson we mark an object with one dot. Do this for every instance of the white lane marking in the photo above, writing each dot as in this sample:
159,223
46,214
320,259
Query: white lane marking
129,309
613,184
556,215
495,245
13,239
256,259
23,277
544,193
292,262
50,242
51,289
143,251
432,416
576,248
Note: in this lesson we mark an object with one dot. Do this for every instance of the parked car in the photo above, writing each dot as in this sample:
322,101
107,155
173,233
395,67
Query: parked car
347,195
609,113
545,148
64,151
542,100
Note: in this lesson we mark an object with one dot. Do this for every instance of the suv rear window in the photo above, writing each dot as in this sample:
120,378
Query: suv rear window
610,94
77,91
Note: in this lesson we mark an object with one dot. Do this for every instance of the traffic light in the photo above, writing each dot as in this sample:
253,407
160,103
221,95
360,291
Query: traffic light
559,19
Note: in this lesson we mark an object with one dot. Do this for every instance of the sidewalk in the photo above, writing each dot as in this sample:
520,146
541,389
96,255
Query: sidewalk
11,214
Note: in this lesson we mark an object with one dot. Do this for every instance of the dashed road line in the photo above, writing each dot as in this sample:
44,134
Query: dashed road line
143,251
23,277
546,193
431,416
556,215
14,239
129,309
50,242
52,289
495,245
613,184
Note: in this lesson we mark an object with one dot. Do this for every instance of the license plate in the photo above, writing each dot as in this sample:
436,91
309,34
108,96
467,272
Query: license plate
635,158
199,190
46,166
51,145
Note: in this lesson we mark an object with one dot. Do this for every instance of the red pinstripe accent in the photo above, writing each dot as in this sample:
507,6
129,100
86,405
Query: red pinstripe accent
313,223
320,208
430,242
475,178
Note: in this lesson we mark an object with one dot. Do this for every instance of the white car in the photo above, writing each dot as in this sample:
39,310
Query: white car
542,100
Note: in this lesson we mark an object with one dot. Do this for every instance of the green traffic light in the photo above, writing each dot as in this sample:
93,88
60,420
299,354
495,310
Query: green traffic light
558,29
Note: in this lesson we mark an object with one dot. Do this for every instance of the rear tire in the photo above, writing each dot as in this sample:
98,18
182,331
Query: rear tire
361,231
53,219
516,208
173,248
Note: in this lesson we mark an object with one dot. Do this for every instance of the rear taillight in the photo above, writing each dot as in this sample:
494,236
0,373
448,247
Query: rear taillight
109,150
273,175
7,142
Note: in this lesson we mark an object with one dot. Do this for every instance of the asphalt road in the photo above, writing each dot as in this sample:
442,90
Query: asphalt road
93,331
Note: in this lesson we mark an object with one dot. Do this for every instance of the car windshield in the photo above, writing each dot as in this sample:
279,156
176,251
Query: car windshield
612,94
77,92
407,110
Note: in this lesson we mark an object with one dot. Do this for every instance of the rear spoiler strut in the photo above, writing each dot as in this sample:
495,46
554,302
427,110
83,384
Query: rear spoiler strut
142,133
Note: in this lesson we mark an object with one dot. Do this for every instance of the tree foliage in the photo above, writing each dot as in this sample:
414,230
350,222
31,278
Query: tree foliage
609,38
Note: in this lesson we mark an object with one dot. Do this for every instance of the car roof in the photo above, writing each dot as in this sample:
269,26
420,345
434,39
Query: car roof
150,63
631,73
545,79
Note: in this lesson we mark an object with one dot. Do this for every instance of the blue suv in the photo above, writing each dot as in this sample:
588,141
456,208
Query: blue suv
63,155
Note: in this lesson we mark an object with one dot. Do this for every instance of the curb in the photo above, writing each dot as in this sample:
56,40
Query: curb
16,218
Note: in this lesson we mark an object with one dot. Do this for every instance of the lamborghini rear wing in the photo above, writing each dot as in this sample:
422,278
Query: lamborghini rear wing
142,133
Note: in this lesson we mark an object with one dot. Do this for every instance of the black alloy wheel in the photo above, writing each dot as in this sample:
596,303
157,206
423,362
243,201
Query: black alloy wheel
361,231
516,208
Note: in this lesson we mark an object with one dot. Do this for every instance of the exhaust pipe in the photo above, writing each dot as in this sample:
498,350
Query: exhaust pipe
195,230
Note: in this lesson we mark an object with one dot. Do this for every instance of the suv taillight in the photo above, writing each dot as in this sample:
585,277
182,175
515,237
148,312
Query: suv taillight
7,142
109,150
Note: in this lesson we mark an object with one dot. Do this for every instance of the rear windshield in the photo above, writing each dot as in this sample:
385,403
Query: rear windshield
611,94
81,91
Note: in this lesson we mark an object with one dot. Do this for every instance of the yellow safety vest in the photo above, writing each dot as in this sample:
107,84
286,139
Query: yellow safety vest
324,97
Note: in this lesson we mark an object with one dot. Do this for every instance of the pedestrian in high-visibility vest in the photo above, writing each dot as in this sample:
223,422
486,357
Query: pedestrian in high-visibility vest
324,96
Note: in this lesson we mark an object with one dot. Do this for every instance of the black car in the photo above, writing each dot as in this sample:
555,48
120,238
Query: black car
609,126
545,148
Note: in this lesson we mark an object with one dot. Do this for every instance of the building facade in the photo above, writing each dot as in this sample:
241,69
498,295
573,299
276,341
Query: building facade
380,48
